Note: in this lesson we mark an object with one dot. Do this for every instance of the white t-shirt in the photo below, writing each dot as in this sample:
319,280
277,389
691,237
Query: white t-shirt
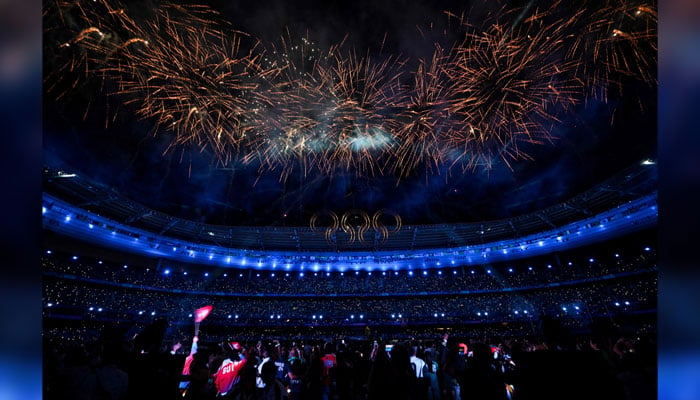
418,366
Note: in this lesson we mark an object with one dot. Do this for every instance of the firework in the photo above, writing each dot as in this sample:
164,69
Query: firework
507,84
330,111
190,79
611,41
501,87
424,118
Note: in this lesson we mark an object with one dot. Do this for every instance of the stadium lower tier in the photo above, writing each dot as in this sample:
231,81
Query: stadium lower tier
579,304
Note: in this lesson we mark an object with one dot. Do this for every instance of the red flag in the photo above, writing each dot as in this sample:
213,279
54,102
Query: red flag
202,313
464,348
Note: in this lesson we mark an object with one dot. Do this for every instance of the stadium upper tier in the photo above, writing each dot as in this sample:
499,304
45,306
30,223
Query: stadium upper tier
75,207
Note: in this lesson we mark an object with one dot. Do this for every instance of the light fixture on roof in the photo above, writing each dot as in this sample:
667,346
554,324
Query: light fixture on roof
648,161
61,174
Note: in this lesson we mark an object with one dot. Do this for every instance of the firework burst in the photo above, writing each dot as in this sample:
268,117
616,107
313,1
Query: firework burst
612,41
425,118
502,86
507,84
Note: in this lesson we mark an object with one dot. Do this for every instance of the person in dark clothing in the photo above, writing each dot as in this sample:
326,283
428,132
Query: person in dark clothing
273,389
379,375
402,382
296,379
481,378
245,388
314,376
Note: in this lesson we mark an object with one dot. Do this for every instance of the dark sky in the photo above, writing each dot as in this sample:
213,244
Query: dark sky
593,140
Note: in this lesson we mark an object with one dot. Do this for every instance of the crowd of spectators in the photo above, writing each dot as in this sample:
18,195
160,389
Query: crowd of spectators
547,327
523,274
580,284
149,364
92,300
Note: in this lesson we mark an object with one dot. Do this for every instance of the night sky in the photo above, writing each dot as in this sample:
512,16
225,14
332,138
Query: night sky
592,141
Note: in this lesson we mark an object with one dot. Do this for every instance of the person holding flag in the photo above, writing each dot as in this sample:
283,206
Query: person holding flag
199,316
227,374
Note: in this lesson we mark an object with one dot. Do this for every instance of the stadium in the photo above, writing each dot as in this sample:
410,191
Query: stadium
380,182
